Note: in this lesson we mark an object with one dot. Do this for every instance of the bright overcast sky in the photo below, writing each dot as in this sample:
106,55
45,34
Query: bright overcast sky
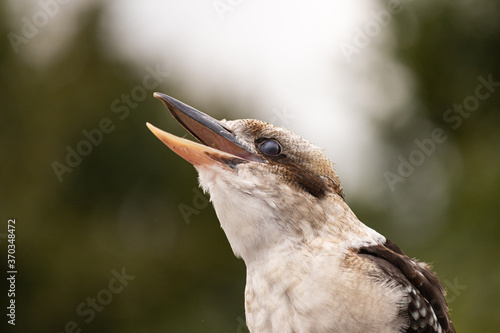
284,56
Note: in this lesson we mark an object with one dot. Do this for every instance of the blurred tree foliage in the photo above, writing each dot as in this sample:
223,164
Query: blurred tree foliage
118,208
447,46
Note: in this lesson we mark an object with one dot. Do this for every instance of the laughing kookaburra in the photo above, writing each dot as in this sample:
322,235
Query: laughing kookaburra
312,266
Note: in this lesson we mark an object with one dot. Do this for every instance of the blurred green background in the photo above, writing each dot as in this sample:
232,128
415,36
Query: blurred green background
120,206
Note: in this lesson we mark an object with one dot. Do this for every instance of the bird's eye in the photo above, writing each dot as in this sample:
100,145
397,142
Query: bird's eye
270,147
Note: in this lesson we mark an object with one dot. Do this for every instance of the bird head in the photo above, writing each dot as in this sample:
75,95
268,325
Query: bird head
266,183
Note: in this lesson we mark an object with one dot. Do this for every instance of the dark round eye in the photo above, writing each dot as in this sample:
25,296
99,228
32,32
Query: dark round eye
270,147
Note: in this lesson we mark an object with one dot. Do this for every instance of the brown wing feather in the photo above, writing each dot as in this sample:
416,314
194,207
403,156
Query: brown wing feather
427,307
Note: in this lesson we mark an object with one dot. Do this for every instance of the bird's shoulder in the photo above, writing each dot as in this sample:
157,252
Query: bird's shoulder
426,308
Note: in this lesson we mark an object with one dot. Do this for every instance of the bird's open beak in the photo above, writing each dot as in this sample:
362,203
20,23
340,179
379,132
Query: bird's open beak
219,145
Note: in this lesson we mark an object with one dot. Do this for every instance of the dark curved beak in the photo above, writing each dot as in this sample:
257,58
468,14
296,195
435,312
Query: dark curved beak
218,143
